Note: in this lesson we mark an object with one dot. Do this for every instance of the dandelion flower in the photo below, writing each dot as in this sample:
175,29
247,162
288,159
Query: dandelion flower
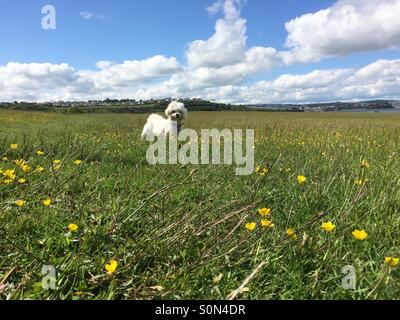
21,180
257,169
72,227
56,161
264,211
391,261
291,233
20,203
111,266
360,234
328,226
250,226
267,223
14,146
40,152
77,162
46,202
301,179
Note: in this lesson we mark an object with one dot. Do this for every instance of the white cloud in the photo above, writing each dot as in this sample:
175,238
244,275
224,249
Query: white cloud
87,15
347,27
218,67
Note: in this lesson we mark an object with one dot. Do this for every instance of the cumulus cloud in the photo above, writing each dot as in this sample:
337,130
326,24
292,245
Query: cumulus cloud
46,81
380,79
347,27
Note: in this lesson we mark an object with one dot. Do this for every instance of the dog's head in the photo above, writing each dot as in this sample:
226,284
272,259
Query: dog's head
176,111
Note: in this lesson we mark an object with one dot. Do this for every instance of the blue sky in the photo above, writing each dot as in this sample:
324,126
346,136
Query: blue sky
138,30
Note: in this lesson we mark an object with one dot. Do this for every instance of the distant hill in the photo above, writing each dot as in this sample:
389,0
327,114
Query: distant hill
332,106
117,106
148,106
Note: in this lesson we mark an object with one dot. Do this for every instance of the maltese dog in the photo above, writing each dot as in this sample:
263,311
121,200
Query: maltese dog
161,127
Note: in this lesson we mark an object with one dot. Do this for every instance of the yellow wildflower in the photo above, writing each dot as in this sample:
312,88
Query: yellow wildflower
20,203
391,261
40,152
364,164
14,146
20,162
328,226
39,169
111,266
291,233
46,202
26,168
10,174
250,226
21,180
360,234
77,162
72,227
56,161
361,182
301,179
267,223
264,211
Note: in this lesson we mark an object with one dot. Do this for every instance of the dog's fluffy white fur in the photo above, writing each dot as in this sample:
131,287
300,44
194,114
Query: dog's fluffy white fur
157,126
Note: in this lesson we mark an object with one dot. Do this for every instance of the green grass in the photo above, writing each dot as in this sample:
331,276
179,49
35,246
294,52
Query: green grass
179,229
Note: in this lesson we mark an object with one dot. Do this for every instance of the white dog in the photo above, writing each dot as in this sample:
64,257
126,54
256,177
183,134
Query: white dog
161,127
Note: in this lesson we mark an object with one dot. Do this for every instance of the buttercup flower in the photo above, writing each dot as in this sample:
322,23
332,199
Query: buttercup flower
77,162
14,146
301,179
391,261
40,152
46,202
111,266
250,226
361,182
56,161
72,227
10,174
328,226
39,169
364,164
21,180
360,234
20,203
267,223
291,233
26,168
264,211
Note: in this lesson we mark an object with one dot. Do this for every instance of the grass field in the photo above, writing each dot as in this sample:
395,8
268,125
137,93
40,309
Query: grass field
180,233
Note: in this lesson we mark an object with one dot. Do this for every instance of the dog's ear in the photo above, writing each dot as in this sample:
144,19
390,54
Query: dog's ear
168,112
